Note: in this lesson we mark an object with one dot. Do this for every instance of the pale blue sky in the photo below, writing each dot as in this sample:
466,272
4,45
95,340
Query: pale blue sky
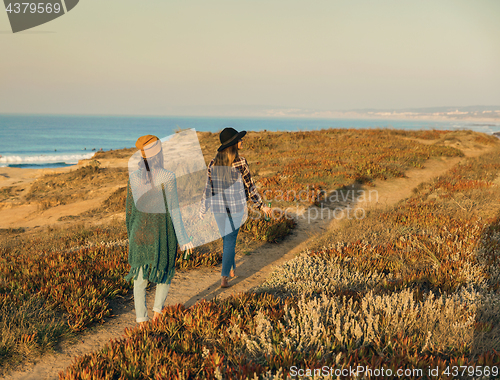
163,57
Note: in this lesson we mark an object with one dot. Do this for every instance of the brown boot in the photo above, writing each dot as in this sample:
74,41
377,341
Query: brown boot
224,283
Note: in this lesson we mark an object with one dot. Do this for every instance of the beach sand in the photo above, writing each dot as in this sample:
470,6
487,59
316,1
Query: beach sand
18,213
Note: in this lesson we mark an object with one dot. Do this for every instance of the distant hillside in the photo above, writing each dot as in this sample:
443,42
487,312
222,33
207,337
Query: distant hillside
480,113
490,113
468,109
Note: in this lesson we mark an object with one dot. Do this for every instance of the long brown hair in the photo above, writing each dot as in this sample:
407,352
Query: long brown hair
226,158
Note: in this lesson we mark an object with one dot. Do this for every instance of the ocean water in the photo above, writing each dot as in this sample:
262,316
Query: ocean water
44,141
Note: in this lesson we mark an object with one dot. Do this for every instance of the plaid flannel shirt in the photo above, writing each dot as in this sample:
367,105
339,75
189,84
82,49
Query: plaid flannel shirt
235,197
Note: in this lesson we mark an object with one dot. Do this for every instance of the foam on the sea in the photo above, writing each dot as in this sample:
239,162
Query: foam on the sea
44,159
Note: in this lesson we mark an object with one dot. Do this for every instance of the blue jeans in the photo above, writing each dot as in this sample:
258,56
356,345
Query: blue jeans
228,239
141,310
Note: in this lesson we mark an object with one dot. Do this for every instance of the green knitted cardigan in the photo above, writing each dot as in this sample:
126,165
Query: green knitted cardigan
152,239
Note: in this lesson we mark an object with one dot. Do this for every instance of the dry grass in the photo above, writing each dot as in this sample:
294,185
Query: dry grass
58,189
462,196
319,325
60,238
6,193
353,294
119,153
384,289
29,328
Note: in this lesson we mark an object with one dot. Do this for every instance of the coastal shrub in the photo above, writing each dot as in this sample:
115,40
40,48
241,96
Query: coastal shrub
320,161
77,283
28,327
113,204
183,343
486,139
428,297
117,153
256,336
58,189
307,275
116,201
65,237
6,193
208,255
12,231
321,325
45,297
438,274
273,230
442,256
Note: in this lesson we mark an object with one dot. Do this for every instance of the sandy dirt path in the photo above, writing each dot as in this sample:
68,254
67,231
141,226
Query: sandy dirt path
252,269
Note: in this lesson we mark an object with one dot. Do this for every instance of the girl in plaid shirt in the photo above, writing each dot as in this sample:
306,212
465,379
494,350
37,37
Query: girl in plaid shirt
228,188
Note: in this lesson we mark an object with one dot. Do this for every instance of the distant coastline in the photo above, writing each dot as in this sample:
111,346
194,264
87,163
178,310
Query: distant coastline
473,113
480,114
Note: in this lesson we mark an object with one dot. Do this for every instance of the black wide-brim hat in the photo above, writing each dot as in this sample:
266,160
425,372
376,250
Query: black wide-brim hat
229,137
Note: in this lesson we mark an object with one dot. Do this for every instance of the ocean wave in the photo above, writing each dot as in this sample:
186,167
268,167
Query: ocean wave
41,159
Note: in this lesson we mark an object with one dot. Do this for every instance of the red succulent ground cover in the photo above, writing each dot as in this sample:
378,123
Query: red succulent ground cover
319,161
440,253
200,342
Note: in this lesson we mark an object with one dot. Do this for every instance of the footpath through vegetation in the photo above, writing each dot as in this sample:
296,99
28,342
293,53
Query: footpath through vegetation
408,287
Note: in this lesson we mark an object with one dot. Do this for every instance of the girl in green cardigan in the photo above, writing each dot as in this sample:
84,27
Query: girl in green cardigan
154,227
